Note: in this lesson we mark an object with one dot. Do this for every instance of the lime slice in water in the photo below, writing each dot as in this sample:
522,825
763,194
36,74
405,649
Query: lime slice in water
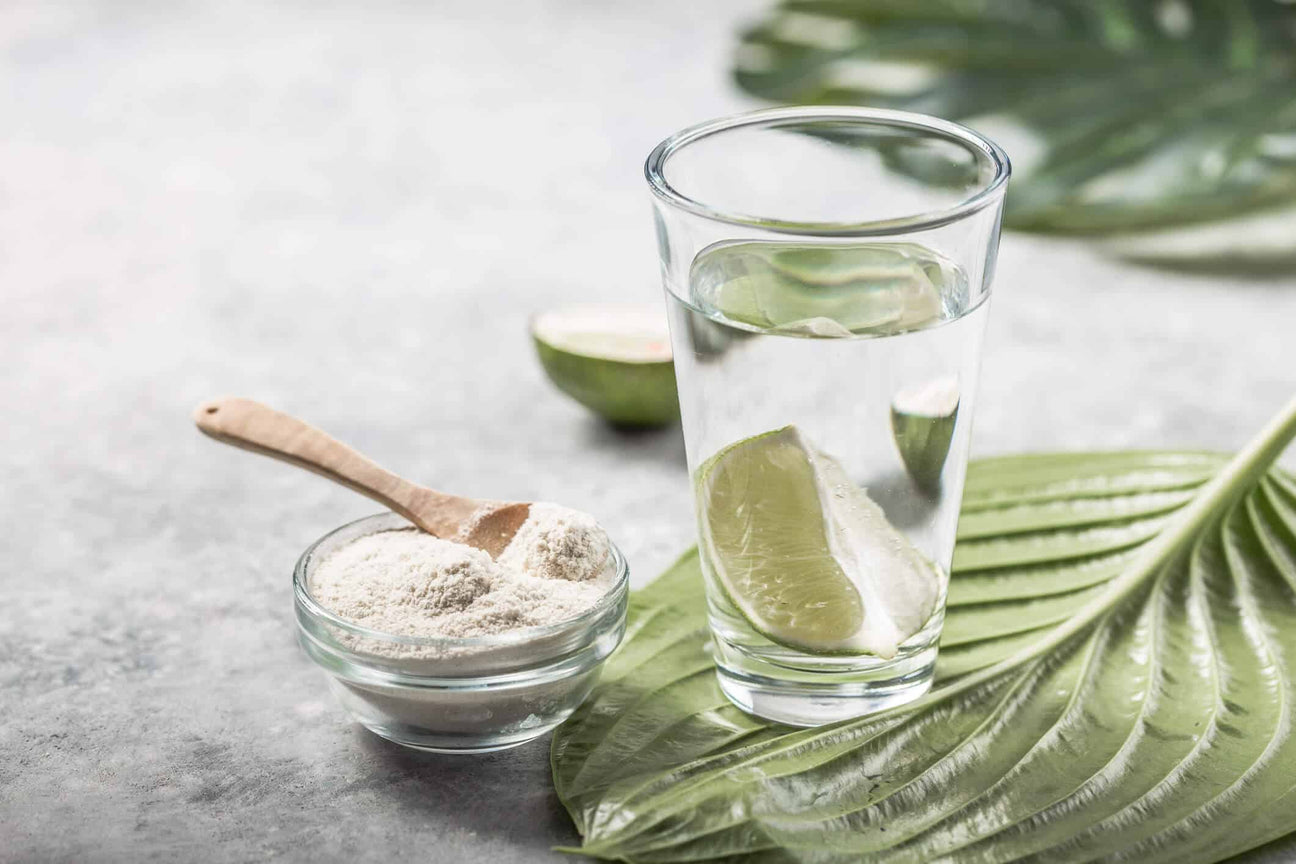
805,555
922,420
824,291
614,360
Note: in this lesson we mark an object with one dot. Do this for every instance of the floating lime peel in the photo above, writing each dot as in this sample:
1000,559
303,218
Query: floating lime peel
922,421
614,360
823,291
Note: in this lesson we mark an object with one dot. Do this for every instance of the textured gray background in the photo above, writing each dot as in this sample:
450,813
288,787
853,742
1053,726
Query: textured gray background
349,211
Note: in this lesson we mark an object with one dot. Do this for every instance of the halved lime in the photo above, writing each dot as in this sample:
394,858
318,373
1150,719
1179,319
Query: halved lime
614,360
808,559
923,419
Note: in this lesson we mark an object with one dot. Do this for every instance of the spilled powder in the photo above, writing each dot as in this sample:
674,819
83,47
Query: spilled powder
409,583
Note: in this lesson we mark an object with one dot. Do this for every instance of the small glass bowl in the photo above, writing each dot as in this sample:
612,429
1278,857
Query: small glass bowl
457,695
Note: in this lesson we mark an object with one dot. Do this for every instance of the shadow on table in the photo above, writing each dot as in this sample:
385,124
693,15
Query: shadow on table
905,506
507,795
662,444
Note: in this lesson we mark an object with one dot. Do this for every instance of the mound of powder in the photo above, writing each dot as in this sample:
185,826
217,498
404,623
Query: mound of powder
409,583
558,543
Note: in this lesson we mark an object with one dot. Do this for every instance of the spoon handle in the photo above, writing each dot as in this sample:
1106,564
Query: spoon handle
256,427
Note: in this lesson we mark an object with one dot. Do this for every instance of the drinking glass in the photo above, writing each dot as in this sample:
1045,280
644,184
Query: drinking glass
827,274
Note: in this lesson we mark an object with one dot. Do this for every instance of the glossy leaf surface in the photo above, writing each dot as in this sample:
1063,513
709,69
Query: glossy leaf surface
1116,681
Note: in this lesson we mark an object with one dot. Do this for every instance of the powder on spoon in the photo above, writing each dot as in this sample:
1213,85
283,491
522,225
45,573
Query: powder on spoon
410,583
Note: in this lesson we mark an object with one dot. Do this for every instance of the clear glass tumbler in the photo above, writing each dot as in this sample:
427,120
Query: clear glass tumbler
827,272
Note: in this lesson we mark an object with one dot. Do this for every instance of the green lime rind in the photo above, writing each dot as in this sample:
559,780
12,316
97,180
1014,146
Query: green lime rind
623,392
924,444
923,419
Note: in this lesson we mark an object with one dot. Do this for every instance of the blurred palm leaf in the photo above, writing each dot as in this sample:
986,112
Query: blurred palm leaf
1119,115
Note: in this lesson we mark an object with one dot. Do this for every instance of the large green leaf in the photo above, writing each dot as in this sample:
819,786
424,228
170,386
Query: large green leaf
1124,114
1116,681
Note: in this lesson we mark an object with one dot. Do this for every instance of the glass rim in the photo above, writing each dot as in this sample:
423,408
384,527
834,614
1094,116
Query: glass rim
986,194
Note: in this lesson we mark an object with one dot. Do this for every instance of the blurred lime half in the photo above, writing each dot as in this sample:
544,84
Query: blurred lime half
808,559
614,360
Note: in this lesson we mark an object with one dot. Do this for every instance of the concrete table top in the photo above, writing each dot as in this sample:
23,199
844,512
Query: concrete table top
349,210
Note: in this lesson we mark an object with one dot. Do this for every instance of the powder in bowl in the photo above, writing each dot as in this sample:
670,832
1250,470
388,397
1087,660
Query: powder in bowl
558,543
406,681
409,583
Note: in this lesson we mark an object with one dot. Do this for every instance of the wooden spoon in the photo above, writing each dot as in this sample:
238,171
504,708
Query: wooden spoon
487,525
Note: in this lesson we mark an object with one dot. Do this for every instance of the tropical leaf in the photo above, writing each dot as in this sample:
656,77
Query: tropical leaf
1116,681
1118,114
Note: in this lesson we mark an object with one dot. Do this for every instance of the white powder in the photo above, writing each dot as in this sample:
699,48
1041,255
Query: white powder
558,543
409,583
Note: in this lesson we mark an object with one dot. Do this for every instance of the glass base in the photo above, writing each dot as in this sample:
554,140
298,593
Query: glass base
439,722
419,739
799,698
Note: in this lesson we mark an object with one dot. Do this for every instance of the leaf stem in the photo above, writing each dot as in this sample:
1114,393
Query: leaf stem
1233,481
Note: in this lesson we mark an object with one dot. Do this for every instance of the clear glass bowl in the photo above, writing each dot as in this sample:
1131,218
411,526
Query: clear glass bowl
457,695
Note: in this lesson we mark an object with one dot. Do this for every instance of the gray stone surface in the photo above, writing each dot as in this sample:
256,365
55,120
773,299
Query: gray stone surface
349,210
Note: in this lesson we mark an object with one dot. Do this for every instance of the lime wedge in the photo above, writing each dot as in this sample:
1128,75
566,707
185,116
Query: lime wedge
614,360
805,555
922,420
